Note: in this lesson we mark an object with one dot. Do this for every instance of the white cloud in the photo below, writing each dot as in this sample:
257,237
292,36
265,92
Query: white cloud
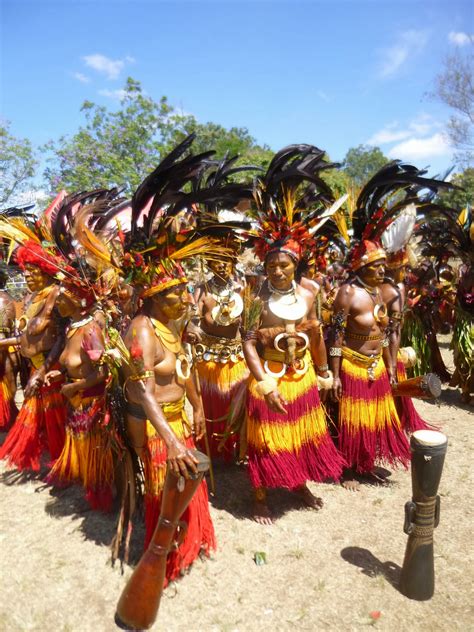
80,77
460,39
388,134
421,148
422,125
113,94
109,67
408,45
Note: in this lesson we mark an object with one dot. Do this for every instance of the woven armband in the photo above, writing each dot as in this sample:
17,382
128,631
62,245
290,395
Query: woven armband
266,386
335,352
325,383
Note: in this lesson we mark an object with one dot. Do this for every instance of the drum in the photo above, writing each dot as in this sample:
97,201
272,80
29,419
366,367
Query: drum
422,513
422,387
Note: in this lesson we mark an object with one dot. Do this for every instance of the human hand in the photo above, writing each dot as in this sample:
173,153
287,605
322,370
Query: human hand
52,376
336,391
180,460
34,384
199,424
275,402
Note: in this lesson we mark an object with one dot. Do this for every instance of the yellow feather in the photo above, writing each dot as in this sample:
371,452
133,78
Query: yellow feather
462,217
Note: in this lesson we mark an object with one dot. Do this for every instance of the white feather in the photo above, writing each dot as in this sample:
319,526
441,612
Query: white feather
397,235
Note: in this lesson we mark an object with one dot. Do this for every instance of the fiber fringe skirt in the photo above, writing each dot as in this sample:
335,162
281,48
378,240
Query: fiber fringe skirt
199,536
87,456
288,450
219,385
39,426
407,412
369,426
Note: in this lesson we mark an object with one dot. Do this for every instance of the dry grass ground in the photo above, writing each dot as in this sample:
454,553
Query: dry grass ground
325,571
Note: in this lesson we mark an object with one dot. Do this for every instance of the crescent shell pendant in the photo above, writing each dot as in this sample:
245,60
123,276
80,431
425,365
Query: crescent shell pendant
268,371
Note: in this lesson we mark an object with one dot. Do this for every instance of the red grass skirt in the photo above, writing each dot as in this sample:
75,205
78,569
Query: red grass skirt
288,450
407,412
219,385
8,410
87,456
369,426
200,532
39,426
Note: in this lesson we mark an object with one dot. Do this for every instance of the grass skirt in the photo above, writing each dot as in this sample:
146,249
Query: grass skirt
288,450
407,412
219,385
39,426
369,426
87,456
200,532
8,410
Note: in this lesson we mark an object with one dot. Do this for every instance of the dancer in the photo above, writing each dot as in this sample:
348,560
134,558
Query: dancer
8,358
287,434
39,425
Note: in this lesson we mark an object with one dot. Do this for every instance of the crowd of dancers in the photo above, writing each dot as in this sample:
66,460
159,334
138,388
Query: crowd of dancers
234,310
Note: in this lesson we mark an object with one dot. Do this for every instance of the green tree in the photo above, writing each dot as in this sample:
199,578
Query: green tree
456,198
454,86
17,165
119,148
360,163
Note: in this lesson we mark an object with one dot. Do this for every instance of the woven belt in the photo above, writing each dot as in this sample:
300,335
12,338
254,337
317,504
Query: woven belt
216,349
272,355
354,336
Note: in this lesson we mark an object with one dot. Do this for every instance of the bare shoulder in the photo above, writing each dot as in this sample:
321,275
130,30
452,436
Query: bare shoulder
304,291
140,327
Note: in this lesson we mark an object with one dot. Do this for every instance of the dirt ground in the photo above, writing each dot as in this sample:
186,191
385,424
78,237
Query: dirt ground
336,569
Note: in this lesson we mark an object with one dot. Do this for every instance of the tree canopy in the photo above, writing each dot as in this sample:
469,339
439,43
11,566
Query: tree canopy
121,147
360,163
456,198
454,86
17,165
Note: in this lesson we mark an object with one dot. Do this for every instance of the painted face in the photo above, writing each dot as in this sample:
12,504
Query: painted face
66,304
36,280
373,274
174,302
222,268
280,269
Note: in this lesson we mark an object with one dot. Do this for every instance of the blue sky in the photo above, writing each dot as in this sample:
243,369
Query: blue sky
336,74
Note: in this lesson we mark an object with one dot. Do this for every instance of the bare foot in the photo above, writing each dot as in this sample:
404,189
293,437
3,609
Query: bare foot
261,512
351,484
309,499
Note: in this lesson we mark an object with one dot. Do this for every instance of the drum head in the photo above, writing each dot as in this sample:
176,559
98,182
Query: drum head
429,437
433,384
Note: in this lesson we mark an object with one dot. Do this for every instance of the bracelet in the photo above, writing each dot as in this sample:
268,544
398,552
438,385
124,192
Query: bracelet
325,383
385,342
266,386
335,352
322,368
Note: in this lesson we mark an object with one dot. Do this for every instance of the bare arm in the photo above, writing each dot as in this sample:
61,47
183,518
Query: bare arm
341,307
140,337
272,397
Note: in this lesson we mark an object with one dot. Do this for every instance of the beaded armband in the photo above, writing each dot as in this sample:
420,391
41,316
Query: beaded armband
250,334
339,321
385,342
335,352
